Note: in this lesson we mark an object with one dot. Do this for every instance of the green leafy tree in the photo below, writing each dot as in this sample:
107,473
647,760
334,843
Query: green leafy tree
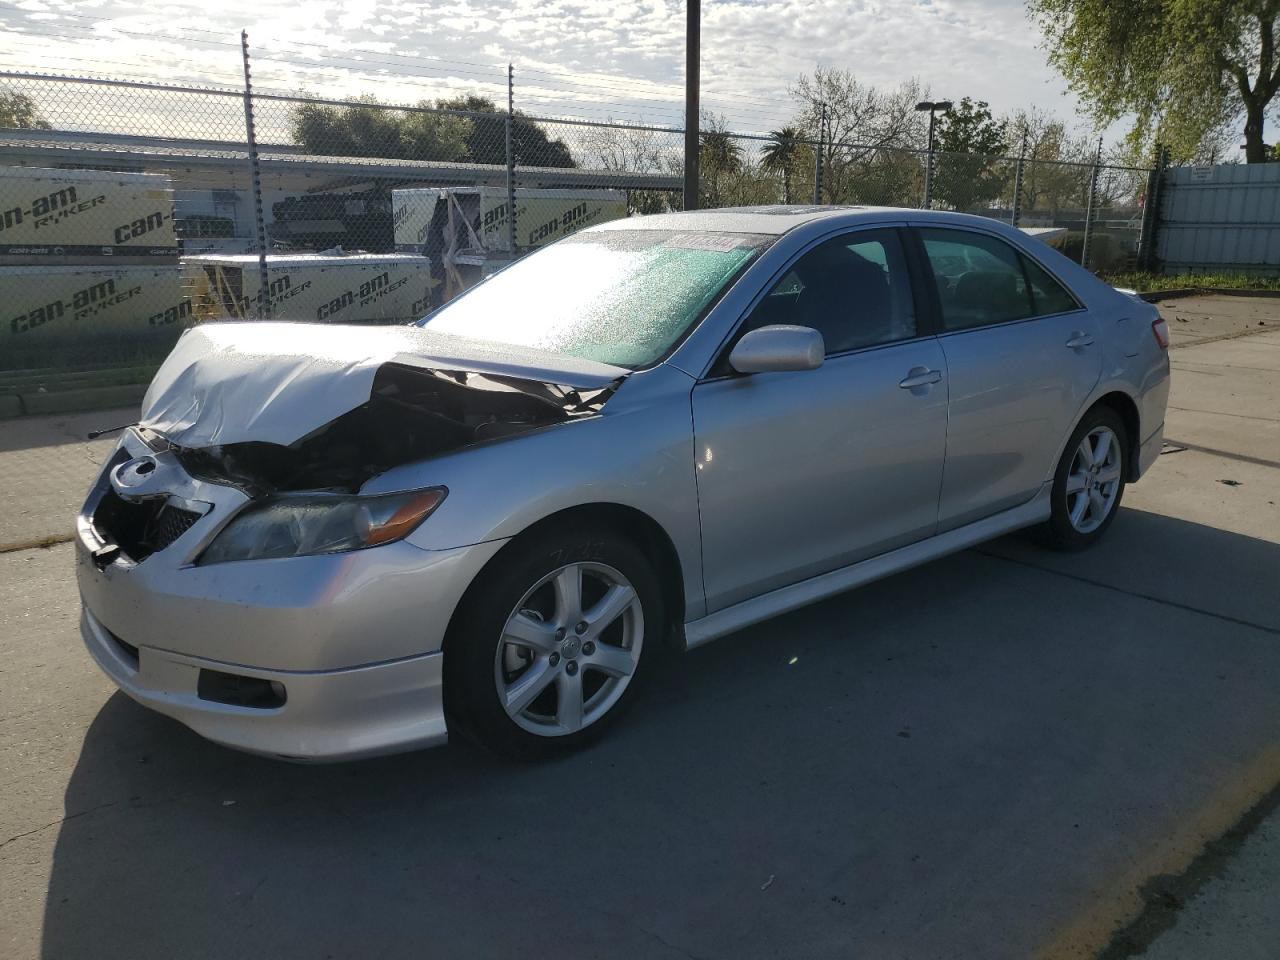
1186,69
719,161
364,127
969,171
19,111
487,140
781,155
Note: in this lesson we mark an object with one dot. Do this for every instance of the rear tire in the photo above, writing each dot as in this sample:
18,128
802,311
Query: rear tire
1089,482
550,642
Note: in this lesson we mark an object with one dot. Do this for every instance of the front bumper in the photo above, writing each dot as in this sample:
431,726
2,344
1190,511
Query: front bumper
355,638
330,715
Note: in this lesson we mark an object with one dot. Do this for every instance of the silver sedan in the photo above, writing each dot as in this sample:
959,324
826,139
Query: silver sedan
324,542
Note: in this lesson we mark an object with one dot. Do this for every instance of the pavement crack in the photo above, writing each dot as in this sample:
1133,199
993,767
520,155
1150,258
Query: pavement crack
1220,413
58,822
37,543
1225,454
1226,618
632,922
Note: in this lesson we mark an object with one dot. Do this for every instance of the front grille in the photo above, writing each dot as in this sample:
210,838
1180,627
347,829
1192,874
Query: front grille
171,523
140,529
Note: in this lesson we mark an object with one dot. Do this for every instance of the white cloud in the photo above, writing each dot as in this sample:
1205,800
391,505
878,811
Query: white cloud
587,57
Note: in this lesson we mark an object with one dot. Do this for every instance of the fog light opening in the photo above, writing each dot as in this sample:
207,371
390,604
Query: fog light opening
237,690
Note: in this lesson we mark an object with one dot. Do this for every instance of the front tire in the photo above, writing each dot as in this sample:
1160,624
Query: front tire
1089,482
550,642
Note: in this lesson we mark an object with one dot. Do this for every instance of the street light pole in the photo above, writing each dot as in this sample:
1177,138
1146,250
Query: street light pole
692,44
934,107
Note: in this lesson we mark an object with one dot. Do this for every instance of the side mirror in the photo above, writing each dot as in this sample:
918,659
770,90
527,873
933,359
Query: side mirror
777,348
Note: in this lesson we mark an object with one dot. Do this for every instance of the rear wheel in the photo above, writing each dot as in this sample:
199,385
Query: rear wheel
548,647
1089,482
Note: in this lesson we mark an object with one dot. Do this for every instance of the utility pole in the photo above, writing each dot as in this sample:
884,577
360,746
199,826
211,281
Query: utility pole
692,56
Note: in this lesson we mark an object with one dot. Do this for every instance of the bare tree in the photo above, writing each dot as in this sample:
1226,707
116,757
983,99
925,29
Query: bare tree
862,121
636,150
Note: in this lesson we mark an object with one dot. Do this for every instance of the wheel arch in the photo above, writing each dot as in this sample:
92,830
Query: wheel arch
628,521
1126,408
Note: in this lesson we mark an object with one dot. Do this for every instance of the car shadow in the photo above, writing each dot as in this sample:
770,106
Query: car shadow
945,763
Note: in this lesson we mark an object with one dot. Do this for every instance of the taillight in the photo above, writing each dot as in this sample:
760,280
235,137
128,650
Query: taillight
1161,330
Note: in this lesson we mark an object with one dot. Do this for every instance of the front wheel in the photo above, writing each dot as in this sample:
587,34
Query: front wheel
1089,481
549,644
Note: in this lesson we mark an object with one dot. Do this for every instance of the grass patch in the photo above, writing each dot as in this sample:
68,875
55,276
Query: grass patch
1155,282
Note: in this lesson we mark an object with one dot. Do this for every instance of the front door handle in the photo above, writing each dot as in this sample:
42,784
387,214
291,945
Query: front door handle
1079,339
920,377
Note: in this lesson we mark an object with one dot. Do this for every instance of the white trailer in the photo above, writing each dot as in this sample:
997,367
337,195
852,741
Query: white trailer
466,230
48,304
69,216
315,287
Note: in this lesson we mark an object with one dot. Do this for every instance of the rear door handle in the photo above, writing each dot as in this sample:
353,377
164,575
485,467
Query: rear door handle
920,377
1078,340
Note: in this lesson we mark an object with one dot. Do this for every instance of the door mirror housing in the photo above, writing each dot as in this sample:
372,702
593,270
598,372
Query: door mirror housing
778,347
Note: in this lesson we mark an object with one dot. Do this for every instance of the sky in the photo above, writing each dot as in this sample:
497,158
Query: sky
584,58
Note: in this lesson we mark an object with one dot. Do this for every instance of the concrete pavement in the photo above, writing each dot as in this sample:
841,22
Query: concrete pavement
991,756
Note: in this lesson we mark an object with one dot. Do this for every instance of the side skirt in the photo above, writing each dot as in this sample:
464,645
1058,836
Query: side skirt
785,599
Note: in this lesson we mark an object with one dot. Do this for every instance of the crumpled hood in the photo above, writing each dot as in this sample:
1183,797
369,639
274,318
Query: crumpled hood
277,382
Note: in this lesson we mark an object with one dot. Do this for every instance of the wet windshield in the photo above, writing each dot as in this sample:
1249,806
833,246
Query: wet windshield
623,297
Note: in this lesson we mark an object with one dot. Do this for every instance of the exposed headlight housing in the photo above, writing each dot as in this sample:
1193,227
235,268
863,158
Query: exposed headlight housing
308,524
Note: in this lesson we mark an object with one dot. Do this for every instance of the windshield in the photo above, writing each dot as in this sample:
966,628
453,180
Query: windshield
623,297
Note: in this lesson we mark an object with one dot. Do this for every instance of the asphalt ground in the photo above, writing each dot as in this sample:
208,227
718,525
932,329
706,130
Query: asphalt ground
999,754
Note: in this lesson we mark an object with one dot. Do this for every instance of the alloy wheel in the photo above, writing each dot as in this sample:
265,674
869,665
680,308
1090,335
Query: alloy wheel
569,649
1093,480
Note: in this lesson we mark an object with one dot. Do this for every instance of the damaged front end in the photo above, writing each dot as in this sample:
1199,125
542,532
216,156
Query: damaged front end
256,439
245,405
412,414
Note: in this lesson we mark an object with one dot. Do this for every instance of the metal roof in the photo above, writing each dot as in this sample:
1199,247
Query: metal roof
46,148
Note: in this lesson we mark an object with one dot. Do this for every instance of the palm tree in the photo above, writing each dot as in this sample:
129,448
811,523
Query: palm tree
780,155
718,154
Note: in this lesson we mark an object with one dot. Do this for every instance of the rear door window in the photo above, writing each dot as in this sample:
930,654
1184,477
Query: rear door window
980,279
1048,295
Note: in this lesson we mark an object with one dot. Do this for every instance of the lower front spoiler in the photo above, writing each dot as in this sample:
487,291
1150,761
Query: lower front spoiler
330,715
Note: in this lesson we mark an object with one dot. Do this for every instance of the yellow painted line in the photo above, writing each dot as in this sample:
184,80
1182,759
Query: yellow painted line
1117,900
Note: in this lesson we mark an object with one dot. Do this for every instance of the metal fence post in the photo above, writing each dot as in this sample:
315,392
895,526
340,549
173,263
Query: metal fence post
1151,211
817,161
511,163
255,180
927,204
1016,213
1090,204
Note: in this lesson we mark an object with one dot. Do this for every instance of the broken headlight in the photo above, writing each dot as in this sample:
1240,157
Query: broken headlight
305,524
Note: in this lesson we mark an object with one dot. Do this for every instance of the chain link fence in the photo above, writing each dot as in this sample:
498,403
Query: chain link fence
129,210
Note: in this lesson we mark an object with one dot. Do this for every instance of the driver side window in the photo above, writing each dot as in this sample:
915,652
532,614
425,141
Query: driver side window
854,289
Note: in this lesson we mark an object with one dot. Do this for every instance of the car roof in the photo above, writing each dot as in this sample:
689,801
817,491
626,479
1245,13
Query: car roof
779,219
